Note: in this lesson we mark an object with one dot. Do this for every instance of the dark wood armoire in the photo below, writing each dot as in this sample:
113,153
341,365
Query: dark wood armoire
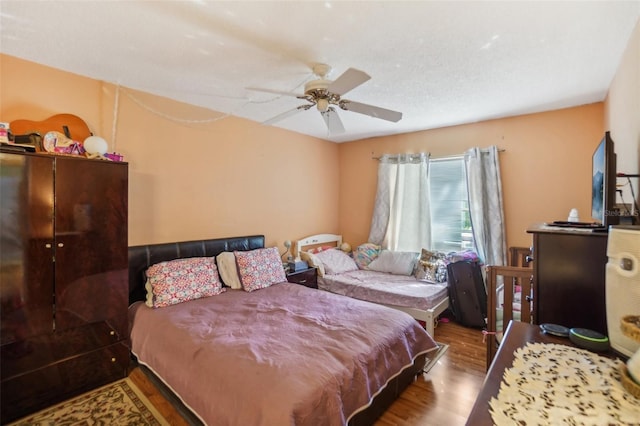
63,278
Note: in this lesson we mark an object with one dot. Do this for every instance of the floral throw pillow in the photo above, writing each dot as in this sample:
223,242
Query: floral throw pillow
259,268
365,253
432,266
181,280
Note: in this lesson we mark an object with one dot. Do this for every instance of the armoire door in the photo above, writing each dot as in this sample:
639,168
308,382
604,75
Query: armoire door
26,239
91,262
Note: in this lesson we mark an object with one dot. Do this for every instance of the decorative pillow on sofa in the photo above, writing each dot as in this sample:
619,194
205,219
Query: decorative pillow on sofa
181,280
365,253
259,268
336,262
228,269
394,262
432,266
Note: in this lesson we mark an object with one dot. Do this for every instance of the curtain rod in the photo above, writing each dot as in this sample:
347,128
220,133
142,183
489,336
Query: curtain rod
444,157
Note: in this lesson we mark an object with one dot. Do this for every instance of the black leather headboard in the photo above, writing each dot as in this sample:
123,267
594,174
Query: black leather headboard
141,257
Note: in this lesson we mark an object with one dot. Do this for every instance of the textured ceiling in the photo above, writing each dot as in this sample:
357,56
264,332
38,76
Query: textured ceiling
439,63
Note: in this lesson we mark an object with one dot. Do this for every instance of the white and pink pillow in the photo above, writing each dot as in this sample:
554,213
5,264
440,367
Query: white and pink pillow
181,280
335,261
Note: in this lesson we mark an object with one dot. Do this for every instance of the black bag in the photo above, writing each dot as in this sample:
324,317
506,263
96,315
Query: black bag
467,294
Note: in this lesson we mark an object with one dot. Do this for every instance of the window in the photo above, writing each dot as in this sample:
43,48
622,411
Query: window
449,205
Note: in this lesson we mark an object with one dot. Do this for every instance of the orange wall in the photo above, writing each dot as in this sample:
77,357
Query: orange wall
234,176
229,177
545,168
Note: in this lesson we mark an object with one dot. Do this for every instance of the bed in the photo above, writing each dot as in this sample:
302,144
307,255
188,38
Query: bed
424,301
281,354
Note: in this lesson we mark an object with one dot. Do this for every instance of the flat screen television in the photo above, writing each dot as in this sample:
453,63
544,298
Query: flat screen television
603,183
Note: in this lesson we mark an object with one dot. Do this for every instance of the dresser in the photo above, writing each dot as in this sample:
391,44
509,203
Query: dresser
569,277
63,278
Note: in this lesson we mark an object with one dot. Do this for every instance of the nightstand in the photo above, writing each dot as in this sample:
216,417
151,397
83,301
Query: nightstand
306,277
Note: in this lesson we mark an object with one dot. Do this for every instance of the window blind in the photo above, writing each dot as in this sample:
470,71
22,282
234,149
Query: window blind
450,222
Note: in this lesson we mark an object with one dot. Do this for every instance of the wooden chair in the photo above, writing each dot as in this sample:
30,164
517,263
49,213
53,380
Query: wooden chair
503,282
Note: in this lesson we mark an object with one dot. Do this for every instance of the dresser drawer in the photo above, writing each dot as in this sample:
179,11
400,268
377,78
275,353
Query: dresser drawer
307,277
19,358
26,393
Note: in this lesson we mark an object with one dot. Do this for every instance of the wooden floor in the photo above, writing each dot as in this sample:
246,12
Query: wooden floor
444,396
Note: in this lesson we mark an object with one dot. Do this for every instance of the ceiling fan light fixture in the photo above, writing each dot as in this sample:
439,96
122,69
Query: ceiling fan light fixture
323,104
323,93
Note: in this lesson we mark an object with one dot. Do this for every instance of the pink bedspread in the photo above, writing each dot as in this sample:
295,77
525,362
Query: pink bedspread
284,355
390,289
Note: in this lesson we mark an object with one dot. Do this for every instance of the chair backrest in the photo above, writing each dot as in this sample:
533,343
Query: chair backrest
504,285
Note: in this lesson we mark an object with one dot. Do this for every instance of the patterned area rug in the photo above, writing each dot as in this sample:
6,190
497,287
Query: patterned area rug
434,356
118,403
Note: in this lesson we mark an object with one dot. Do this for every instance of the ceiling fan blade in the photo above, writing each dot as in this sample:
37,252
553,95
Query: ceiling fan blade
275,92
287,114
332,120
373,111
349,80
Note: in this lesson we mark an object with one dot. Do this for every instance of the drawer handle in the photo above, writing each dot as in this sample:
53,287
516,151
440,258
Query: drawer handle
113,360
112,333
303,281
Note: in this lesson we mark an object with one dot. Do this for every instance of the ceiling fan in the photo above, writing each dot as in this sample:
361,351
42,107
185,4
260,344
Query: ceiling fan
323,94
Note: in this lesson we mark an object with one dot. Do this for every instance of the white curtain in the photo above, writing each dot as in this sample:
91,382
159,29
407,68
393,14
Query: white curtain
401,219
485,204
